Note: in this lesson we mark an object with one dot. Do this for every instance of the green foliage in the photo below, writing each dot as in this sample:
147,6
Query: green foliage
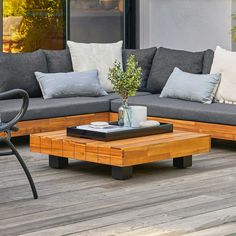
126,83
13,8
42,20
234,28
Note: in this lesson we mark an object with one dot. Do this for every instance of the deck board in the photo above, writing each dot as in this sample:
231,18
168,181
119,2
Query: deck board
85,200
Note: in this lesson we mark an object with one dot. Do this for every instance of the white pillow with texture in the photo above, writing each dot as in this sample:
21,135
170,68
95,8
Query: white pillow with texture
225,63
96,56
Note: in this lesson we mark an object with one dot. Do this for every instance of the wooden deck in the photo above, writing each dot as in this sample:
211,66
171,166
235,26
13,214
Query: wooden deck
85,200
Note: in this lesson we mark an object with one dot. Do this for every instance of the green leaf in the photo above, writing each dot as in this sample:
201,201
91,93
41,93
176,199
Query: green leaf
126,83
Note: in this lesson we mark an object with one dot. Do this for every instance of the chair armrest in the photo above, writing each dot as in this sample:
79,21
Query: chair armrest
10,94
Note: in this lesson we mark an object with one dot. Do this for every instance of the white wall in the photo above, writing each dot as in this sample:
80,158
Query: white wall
186,24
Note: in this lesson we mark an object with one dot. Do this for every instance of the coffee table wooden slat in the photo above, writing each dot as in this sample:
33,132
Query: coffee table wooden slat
121,154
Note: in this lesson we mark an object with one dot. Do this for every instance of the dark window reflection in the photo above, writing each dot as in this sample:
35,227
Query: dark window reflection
99,21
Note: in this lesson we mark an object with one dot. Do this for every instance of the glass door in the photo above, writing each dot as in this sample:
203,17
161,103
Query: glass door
32,24
96,21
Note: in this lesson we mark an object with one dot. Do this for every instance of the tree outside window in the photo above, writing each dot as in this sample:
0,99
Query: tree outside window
32,24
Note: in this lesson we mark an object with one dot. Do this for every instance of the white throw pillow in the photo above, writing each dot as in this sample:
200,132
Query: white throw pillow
225,63
96,56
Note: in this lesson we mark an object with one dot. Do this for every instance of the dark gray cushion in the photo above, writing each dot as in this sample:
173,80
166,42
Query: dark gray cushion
183,110
166,60
113,96
43,109
144,58
58,107
17,71
58,61
207,61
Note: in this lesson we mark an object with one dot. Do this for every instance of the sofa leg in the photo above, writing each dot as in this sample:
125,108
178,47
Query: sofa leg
182,162
122,173
58,162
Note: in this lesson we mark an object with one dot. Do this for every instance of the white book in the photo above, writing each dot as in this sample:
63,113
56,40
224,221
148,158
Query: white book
109,129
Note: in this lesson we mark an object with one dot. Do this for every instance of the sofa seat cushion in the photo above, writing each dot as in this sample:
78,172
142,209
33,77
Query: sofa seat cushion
183,110
43,109
59,107
114,96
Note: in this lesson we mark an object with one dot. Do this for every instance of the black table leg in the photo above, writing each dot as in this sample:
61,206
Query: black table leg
182,162
58,162
122,173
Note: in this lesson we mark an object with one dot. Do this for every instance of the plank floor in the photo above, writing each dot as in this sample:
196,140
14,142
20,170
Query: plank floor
84,200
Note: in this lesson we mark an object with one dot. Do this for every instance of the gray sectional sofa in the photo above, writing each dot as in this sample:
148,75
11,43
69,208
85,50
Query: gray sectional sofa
17,71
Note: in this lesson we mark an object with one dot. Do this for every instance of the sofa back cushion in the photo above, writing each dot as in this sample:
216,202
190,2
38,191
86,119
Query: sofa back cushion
144,58
17,71
99,56
166,60
58,61
207,61
224,63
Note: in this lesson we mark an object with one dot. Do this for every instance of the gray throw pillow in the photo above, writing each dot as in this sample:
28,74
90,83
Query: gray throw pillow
191,87
166,60
17,71
72,84
58,61
144,58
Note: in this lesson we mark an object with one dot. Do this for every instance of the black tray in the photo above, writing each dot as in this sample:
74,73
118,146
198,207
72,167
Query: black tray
116,135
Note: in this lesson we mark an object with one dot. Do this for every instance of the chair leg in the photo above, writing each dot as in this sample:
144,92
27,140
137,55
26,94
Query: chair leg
20,159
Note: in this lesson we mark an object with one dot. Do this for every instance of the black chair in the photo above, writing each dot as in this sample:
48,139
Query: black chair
10,126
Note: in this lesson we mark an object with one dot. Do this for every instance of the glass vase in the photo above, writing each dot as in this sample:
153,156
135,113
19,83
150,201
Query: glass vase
124,114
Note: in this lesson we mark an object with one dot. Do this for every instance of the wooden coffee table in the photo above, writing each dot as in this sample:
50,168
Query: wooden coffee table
122,155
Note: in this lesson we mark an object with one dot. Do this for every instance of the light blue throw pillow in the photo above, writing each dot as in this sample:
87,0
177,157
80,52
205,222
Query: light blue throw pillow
72,84
191,87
